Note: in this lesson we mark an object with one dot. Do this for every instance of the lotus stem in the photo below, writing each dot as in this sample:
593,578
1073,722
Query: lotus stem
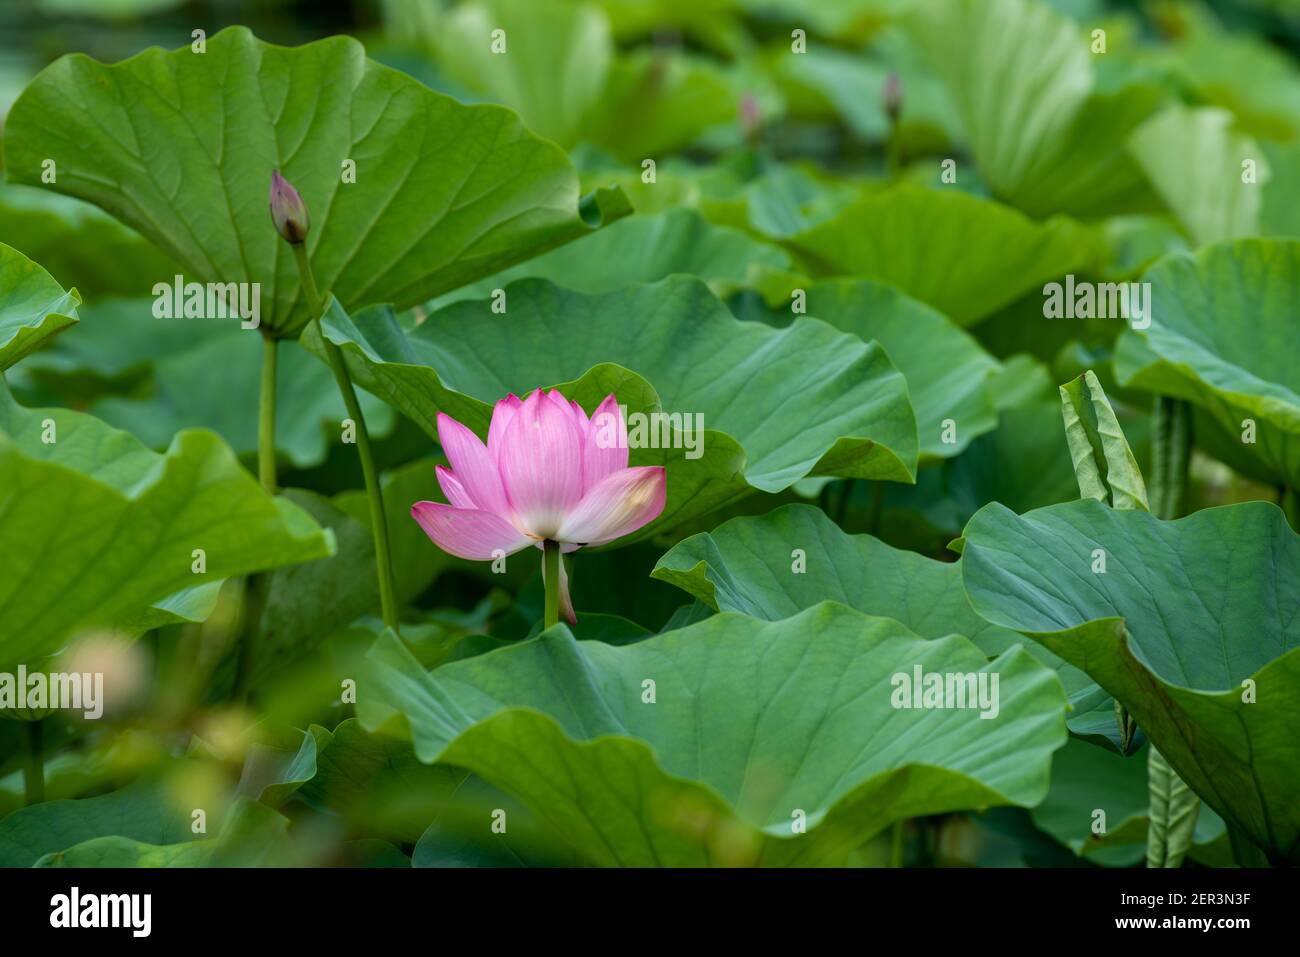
842,505
551,573
266,415
877,519
32,734
1171,449
898,844
374,494
255,593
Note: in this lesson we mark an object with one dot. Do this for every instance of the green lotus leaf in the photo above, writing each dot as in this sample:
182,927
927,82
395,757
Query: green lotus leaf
1087,779
782,563
308,408
1193,627
143,811
1211,197
947,371
674,349
1257,81
550,61
675,99
1221,337
33,307
95,528
731,741
459,192
378,785
927,516
847,20
192,604
275,769
251,835
825,82
642,249
460,834
307,604
992,255
1021,77
115,343
79,244
114,851
1280,215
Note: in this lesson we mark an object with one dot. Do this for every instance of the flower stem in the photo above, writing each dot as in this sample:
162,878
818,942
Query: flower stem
897,845
1171,447
32,735
551,573
266,416
375,495
255,586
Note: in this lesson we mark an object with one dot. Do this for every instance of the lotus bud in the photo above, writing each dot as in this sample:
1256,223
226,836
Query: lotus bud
751,117
288,211
892,98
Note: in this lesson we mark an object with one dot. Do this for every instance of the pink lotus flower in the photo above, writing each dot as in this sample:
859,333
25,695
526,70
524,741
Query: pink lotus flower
547,473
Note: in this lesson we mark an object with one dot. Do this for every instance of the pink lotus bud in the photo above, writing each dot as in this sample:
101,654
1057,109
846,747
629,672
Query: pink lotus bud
288,211
546,472
751,117
892,97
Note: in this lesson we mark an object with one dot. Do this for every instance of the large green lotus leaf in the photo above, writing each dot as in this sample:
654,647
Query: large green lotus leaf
33,307
1188,619
443,193
1087,779
79,244
1209,196
750,565
378,785
560,71
944,498
114,851
947,371
413,567
752,730
674,98
104,9
275,769
1223,337
115,342
670,346
192,604
185,394
642,249
551,64
1246,74
992,254
307,604
95,528
462,833
143,811
847,20
1021,77
251,835
827,83
1281,213
782,201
